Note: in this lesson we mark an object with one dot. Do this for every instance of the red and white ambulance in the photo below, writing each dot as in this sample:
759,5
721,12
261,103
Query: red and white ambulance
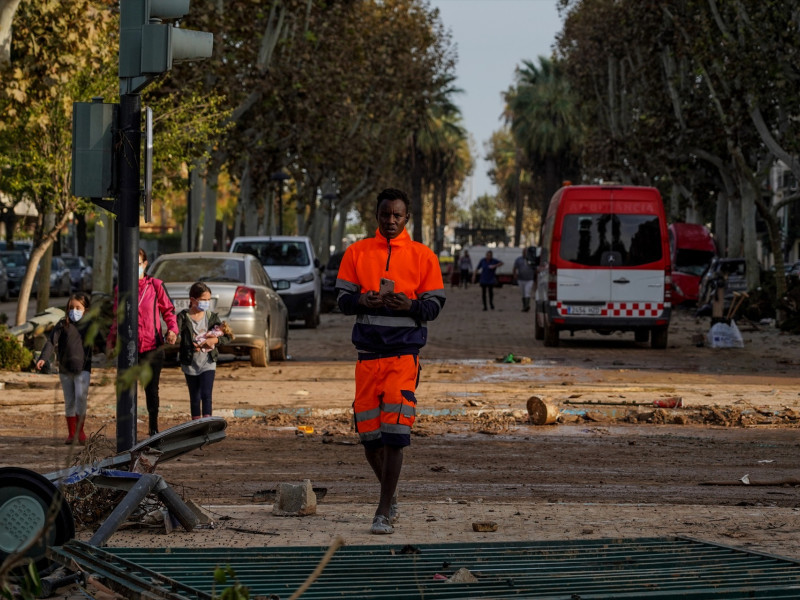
604,264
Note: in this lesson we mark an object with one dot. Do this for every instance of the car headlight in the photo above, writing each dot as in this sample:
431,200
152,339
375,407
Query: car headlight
305,278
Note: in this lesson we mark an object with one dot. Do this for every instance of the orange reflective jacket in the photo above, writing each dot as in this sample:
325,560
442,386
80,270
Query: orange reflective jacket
415,271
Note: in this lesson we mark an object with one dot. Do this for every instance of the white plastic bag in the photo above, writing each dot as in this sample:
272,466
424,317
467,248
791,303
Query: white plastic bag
722,335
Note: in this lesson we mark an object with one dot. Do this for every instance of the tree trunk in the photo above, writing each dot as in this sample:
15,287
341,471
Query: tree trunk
43,293
519,209
102,262
341,228
210,210
7,10
674,203
721,223
442,212
434,192
193,211
416,190
749,236
551,186
734,247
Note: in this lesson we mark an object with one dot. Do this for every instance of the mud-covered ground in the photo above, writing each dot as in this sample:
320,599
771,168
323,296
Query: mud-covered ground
613,466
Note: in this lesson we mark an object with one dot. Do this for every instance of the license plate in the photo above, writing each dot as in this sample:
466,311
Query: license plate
583,310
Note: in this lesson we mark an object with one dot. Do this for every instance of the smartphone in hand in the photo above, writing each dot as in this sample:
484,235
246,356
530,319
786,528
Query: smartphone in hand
387,286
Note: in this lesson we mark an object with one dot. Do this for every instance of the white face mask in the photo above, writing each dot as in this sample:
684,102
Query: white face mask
141,271
75,315
203,305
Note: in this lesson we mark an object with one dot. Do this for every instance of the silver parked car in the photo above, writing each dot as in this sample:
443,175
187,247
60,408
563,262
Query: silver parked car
60,282
241,294
16,264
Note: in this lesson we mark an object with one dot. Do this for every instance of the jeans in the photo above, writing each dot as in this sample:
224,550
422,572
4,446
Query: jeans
76,392
200,389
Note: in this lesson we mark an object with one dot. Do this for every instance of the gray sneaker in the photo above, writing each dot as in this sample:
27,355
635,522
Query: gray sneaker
381,525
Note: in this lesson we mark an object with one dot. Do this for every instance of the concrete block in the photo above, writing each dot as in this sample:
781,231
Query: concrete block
295,500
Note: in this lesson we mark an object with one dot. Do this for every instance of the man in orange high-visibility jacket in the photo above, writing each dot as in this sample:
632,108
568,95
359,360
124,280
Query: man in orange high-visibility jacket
394,286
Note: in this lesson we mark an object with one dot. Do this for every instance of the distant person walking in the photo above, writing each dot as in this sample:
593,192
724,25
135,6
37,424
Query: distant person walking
154,305
200,332
465,266
524,274
72,340
394,287
486,273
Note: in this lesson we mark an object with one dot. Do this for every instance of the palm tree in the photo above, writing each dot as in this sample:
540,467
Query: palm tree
437,105
542,116
446,161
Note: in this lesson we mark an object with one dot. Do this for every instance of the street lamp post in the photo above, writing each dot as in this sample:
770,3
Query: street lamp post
280,177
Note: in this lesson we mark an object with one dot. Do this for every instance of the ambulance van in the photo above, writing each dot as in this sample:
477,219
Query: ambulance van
604,264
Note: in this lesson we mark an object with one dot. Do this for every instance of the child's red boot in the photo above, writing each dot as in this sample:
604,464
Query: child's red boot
72,423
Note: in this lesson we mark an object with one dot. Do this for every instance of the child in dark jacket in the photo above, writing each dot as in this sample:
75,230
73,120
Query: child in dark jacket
200,332
72,339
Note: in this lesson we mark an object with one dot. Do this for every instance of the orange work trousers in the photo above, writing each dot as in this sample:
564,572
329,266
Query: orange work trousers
385,405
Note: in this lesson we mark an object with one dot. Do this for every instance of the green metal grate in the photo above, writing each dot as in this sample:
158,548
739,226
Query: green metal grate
579,570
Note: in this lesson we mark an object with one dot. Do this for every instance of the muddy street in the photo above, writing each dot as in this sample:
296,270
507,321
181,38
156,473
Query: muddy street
613,464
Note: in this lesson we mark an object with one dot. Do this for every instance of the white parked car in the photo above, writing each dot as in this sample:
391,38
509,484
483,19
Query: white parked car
289,259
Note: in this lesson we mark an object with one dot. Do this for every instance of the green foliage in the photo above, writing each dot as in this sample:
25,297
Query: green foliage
235,591
485,212
28,588
13,355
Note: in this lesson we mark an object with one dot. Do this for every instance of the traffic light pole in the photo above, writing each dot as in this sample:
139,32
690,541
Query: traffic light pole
147,49
128,157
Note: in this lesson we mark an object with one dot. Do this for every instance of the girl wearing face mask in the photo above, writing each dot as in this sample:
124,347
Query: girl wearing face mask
154,305
201,331
72,340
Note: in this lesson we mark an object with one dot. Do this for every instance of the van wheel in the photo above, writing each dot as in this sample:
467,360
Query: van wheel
538,331
550,334
658,339
641,335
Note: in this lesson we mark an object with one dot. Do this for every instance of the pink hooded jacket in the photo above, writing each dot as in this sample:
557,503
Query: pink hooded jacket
153,299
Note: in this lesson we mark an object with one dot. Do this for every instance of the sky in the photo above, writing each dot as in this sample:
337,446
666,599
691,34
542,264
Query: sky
493,37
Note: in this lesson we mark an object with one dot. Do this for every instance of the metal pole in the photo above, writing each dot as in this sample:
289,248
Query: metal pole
130,120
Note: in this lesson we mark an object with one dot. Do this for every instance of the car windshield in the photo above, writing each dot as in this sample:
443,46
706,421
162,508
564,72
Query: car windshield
619,240
14,259
199,269
276,253
73,262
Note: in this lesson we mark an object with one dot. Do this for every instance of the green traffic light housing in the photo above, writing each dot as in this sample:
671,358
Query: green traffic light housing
148,47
